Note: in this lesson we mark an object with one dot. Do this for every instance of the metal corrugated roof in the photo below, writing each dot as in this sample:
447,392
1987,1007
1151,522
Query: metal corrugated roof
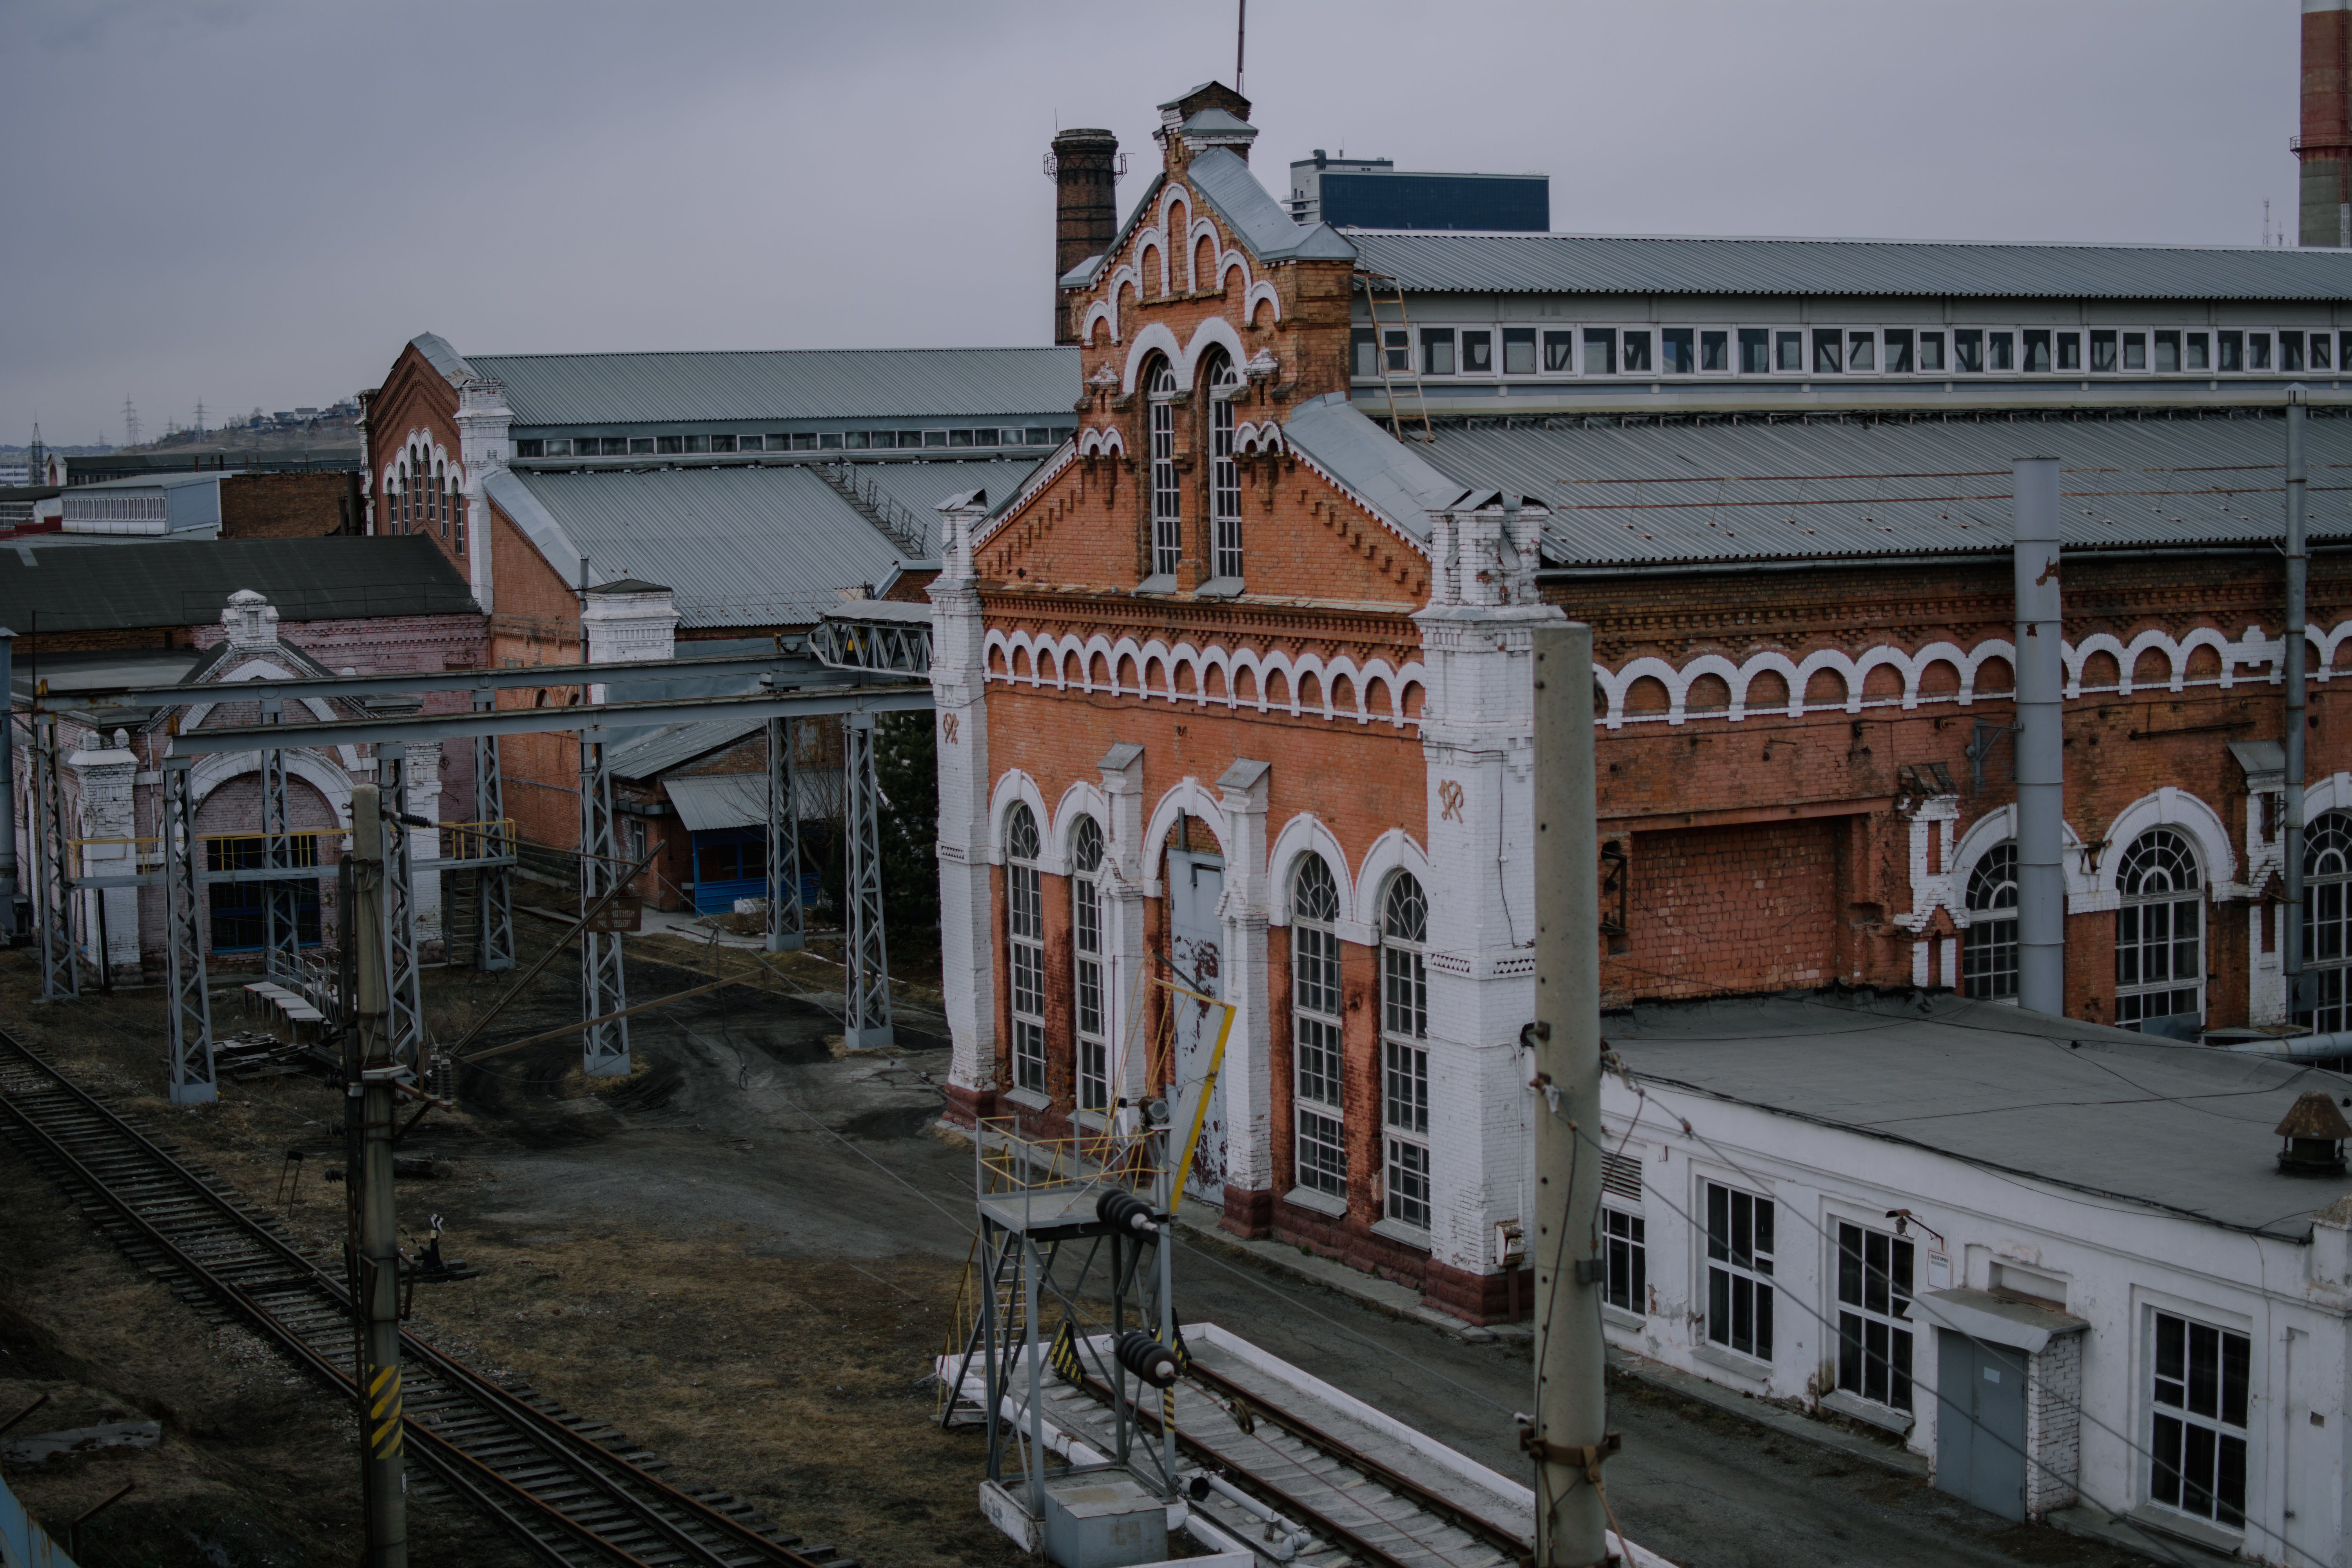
1264,223
1384,473
738,547
1630,494
785,383
920,487
67,588
654,751
1601,264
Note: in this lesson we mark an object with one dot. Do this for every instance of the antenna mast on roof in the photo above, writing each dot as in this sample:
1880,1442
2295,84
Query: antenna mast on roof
1241,40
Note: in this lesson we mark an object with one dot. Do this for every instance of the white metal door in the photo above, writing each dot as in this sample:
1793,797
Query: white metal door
1195,946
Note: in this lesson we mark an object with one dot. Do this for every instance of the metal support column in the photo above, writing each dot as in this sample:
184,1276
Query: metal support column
189,1005
787,920
280,958
378,1064
53,880
404,1001
604,988
12,899
2299,991
865,1015
494,885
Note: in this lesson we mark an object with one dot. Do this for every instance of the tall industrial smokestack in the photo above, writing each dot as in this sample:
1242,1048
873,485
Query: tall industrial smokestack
2040,744
2325,146
1084,166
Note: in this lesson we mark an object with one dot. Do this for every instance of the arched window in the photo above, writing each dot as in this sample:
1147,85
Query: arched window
457,511
2327,919
2159,932
1087,967
1167,498
1025,935
1989,956
1321,1154
1225,473
1404,1056
441,497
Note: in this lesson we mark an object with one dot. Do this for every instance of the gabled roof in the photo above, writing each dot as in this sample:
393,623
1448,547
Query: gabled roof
1651,492
784,385
1264,223
1430,262
1383,473
442,357
70,587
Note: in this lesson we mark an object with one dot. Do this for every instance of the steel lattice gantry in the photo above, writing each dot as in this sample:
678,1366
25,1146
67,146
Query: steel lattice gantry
53,877
603,987
190,1029
865,1011
281,955
494,884
403,991
787,916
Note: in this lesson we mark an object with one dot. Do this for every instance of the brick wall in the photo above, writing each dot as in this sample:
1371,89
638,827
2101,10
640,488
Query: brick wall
289,506
1747,908
2054,1425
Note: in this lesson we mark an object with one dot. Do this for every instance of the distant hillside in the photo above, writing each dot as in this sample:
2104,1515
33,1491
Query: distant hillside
338,435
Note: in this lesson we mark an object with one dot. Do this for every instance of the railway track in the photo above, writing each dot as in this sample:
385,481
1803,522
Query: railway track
1353,1506
573,1491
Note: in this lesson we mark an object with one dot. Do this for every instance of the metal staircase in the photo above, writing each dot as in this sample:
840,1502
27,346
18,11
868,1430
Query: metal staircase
890,519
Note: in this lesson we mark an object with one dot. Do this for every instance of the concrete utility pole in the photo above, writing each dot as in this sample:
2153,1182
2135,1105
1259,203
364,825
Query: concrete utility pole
1568,1438
368,1097
2290,951
2041,742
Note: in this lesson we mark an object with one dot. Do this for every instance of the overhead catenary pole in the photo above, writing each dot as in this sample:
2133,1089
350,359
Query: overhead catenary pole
1568,1438
2291,655
9,922
2041,742
368,1096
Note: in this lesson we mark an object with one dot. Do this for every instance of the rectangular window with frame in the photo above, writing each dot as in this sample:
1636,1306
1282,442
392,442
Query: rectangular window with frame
641,446
1827,358
1740,1271
1860,351
2233,353
2070,351
1316,1059
1931,350
669,444
1714,351
1899,351
1789,352
1437,351
1874,1328
1025,931
1678,351
1625,1261
2199,1395
855,439
1363,352
1397,343
2197,352
1478,353
2000,351
1755,351
1559,354
1599,351
1637,353
1404,1086
2037,352
2136,351
727,442
1967,350
2320,358
2290,351
2168,354
530,448
1519,351
2258,351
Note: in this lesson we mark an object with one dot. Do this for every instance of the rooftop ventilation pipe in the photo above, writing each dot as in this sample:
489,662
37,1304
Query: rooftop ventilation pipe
2041,786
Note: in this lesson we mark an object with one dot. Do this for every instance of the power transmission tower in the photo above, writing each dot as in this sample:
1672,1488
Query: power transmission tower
130,424
200,415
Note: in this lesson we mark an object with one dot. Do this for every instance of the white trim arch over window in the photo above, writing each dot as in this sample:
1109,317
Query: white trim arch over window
2159,931
2327,919
1319,1147
1988,948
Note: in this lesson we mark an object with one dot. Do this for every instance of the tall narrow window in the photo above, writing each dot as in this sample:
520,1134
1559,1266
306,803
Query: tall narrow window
441,497
1967,350
1519,351
1678,351
2159,932
1624,1235
2327,919
1988,954
457,509
1224,472
1321,1153
2198,1392
1404,1051
1024,935
1899,351
1166,500
1740,1271
1755,351
1874,1290
1087,967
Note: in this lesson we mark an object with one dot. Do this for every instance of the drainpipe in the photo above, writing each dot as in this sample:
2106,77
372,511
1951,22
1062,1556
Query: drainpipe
2041,743
2291,844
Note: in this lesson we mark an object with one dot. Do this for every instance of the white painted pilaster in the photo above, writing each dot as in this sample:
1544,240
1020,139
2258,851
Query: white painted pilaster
629,620
959,709
1478,745
1118,889
1246,1076
107,786
483,448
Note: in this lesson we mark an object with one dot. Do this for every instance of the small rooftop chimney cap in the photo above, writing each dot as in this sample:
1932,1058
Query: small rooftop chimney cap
2314,1131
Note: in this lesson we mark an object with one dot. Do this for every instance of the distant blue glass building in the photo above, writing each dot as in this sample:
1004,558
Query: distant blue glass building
1373,192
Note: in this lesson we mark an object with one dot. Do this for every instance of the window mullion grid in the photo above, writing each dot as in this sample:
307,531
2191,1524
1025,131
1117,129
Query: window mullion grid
1405,1086
1226,489
1166,500
1026,941
1085,943
1321,1147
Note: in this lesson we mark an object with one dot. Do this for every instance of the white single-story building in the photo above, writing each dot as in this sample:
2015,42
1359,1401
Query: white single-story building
2062,1261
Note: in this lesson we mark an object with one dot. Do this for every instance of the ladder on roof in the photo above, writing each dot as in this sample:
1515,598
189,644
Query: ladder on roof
1392,352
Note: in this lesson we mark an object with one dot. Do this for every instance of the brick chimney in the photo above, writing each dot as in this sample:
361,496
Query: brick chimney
1084,166
2324,147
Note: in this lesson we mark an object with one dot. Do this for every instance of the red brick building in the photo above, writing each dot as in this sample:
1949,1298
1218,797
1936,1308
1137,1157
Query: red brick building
1235,685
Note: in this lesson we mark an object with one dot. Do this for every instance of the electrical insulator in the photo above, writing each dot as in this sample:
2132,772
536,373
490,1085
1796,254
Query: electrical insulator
1146,1357
1123,1211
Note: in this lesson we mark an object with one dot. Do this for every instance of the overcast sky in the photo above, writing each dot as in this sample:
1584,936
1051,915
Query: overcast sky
258,203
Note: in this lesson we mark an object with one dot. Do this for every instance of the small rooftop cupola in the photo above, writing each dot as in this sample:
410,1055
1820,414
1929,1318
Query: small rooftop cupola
1216,128
250,620
2315,1131
1175,133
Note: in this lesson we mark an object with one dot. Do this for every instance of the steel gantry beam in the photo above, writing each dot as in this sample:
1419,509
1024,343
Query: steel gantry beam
280,898
783,665
493,885
189,1029
865,1015
404,1019
787,919
604,988
53,883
